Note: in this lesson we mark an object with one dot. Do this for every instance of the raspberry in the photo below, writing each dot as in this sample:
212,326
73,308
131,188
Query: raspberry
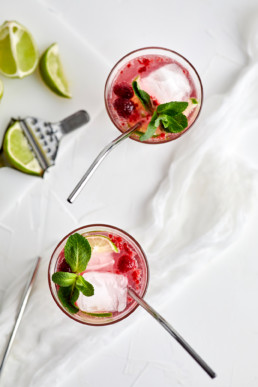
123,90
126,263
63,266
124,107
142,69
144,61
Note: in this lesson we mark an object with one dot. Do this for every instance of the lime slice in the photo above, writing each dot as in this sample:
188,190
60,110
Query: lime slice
18,153
18,50
52,73
98,314
100,243
1,89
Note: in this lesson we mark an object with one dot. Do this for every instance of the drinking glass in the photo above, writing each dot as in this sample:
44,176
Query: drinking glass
101,229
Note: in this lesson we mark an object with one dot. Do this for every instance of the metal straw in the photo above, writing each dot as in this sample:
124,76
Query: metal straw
173,333
22,306
98,160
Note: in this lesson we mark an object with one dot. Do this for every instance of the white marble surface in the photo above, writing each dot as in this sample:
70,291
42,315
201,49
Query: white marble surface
216,308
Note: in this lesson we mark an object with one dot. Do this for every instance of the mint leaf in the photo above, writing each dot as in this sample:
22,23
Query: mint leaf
64,279
151,129
174,124
84,286
194,101
172,108
77,252
181,120
143,96
68,296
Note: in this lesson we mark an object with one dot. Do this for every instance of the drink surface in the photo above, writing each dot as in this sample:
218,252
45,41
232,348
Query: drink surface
165,80
115,265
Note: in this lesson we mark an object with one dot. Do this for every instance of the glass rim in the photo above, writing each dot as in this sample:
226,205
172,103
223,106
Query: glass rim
153,48
50,282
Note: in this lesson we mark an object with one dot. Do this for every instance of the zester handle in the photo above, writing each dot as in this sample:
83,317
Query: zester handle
74,121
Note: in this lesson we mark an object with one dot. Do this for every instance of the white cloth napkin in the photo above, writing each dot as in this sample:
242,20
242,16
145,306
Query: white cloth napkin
201,205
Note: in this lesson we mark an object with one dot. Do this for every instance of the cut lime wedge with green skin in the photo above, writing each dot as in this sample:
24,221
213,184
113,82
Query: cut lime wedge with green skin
52,73
98,314
18,50
100,243
18,153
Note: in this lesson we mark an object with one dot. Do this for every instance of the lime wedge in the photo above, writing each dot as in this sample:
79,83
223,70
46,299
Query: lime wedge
52,73
98,314
18,153
100,243
18,50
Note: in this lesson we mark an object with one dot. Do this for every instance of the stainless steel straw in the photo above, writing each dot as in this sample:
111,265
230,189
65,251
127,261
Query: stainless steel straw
22,306
98,160
173,333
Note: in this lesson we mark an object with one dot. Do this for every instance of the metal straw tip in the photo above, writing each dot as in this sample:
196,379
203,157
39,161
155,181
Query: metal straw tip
72,196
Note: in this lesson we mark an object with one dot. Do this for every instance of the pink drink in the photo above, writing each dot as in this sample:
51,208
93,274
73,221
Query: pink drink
165,75
110,272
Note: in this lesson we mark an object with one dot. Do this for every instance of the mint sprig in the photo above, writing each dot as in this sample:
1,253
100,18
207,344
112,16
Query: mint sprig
144,97
77,254
167,115
65,279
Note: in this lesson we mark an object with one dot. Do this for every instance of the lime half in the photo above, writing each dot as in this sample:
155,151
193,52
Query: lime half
18,153
18,50
100,243
52,73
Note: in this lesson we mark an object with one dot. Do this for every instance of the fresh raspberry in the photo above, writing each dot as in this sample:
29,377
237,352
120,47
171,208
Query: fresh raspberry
154,101
126,263
127,249
135,116
123,90
63,266
144,61
124,107
142,69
